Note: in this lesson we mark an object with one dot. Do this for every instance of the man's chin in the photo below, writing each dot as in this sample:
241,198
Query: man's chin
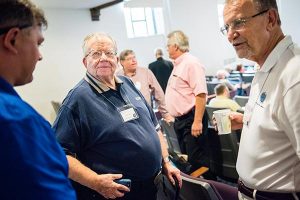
23,82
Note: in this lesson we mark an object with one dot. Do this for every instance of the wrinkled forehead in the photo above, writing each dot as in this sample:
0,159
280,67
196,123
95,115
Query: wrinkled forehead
100,43
235,9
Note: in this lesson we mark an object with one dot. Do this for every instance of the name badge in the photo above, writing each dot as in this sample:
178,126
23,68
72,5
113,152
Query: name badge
128,113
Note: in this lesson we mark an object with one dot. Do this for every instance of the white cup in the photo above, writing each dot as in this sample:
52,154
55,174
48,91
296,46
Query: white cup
223,121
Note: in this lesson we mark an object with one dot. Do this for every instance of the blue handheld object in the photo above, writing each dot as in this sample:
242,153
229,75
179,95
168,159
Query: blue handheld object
126,182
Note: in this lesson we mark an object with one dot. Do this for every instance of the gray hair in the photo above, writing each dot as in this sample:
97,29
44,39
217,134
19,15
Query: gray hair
97,36
263,5
180,39
158,52
125,53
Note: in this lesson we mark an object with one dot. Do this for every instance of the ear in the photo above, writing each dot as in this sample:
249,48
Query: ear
272,19
10,40
84,62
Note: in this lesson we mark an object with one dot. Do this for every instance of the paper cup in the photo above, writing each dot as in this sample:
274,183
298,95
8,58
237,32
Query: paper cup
223,121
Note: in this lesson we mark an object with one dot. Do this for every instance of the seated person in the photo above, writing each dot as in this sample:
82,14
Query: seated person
222,99
222,78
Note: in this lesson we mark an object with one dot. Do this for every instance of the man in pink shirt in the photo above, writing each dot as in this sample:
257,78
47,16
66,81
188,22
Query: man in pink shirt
186,99
145,82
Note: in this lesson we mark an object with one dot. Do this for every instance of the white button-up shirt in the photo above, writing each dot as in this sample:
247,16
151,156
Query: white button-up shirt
269,154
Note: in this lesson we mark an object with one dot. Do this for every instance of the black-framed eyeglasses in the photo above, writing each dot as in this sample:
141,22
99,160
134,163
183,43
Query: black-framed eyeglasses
239,23
6,29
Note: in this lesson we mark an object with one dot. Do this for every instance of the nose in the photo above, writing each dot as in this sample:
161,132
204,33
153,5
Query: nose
231,34
103,56
40,57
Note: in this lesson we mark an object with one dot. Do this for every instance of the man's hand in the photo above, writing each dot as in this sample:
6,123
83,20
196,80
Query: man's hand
105,185
196,129
168,118
171,171
236,119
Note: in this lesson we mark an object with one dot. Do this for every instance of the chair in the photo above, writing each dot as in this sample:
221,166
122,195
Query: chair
171,136
224,152
241,100
210,111
56,105
211,87
175,152
201,189
247,77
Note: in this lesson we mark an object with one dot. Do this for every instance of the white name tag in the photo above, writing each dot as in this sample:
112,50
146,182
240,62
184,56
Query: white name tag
128,113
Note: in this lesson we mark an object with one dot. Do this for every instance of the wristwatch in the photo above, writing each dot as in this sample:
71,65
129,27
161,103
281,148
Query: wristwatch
166,159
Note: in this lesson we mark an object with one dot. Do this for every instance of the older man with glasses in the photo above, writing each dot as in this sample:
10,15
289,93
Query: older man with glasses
109,132
269,155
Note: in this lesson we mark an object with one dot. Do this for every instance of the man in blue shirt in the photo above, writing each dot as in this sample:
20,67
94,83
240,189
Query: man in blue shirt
109,131
33,165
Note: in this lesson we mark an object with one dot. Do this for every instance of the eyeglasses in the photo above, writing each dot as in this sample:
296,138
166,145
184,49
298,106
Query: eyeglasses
98,54
130,58
6,29
237,24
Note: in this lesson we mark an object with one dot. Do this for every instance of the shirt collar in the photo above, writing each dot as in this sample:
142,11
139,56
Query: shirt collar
221,97
7,87
99,86
180,58
274,56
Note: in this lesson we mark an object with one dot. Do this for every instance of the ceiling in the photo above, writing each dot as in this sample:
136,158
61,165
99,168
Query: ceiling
71,4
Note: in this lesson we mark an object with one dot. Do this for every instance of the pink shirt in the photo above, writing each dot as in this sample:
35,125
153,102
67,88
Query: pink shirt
185,83
145,81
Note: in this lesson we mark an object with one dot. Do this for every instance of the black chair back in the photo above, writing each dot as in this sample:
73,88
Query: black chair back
241,100
223,155
201,189
171,136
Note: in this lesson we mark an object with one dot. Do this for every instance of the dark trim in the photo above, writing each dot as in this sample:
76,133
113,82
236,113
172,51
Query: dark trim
95,11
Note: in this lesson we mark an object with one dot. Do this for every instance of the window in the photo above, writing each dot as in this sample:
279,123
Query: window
220,14
142,22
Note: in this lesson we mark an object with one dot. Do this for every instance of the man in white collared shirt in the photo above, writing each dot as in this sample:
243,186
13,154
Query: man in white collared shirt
268,162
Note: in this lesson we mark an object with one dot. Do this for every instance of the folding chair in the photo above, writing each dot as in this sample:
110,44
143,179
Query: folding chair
202,189
175,152
241,100
224,151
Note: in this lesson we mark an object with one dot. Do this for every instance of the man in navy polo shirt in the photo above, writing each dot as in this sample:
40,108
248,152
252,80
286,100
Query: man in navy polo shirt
109,132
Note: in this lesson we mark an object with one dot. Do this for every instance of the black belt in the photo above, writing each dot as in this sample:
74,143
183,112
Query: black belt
263,195
185,116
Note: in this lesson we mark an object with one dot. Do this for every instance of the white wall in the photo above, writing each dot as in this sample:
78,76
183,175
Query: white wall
62,67
199,20
290,17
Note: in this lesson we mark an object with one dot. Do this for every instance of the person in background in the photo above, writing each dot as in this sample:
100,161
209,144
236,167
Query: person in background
186,99
145,82
240,68
222,100
109,132
33,165
222,78
269,157
161,68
